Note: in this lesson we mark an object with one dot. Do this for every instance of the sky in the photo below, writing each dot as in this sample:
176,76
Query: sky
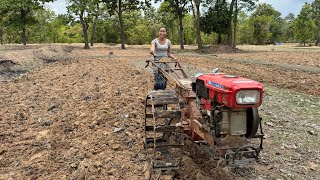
283,6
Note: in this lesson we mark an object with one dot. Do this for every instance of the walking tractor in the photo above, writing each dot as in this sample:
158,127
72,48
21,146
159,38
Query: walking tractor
216,108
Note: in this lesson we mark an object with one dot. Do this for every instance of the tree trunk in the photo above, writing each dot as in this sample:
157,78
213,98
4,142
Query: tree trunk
318,39
24,36
230,23
1,36
94,28
219,38
194,21
235,26
24,13
181,31
122,36
95,24
85,27
198,31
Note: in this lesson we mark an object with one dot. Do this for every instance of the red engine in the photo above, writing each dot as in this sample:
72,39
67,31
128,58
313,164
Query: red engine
229,103
231,91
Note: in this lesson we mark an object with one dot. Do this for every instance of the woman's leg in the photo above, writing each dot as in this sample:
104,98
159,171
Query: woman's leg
159,82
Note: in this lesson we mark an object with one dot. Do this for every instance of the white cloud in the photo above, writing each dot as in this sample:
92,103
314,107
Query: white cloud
59,6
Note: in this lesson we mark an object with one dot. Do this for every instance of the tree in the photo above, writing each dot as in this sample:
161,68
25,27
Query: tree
189,29
235,22
245,29
178,8
41,31
120,6
169,20
266,23
287,28
138,33
3,14
223,17
83,9
235,7
152,20
216,19
96,13
21,13
198,30
261,29
316,16
304,26
231,13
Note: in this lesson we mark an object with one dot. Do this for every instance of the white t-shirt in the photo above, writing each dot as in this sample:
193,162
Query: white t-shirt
160,50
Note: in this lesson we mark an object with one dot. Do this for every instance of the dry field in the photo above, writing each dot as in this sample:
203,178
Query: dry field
69,113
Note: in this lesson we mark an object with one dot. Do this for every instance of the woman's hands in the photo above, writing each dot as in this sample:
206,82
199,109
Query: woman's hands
152,52
172,56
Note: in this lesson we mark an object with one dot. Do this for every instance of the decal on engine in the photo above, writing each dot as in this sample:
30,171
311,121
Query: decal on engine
215,84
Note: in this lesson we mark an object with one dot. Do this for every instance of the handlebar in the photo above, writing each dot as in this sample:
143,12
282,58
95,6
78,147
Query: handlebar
153,62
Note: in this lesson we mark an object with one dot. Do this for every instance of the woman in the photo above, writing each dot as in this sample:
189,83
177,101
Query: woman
160,47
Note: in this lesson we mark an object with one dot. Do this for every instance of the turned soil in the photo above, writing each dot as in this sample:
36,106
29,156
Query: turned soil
70,113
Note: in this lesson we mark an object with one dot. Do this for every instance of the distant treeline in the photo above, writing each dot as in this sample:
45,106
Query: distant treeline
137,22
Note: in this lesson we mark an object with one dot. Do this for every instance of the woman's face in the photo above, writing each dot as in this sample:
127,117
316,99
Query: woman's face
162,32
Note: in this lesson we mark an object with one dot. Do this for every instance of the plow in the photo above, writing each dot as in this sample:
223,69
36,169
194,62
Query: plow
217,109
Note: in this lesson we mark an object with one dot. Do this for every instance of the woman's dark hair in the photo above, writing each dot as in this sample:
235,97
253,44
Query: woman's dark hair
162,27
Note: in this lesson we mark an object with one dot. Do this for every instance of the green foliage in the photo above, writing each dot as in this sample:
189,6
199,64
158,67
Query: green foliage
152,18
263,26
20,13
287,28
168,20
208,39
136,30
265,9
189,33
267,24
115,5
86,10
316,17
78,7
178,8
248,5
120,6
304,25
216,19
245,29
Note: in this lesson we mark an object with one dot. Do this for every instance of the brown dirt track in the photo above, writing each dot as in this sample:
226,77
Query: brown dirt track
57,120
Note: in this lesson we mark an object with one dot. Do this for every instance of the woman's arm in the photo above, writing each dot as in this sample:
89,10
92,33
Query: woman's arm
153,46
